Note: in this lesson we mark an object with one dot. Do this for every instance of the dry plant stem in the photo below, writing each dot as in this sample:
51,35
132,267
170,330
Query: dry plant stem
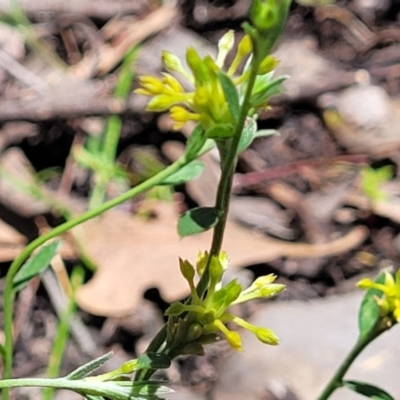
9,293
337,380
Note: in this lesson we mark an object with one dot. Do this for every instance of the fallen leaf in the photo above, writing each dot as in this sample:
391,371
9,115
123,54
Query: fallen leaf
11,242
133,255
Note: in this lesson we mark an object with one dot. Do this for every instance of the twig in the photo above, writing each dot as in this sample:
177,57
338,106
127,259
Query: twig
20,73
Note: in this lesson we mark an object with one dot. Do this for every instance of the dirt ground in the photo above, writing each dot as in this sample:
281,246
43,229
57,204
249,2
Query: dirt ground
318,204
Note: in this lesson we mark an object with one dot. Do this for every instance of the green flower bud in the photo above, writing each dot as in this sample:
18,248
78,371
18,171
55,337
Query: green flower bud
194,332
207,318
216,270
266,336
264,14
128,367
187,270
267,65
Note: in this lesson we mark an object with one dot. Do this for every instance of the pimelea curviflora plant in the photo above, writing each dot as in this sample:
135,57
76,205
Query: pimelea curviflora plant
223,102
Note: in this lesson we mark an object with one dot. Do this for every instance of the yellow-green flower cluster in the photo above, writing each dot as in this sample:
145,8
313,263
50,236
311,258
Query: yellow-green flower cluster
389,302
206,103
209,315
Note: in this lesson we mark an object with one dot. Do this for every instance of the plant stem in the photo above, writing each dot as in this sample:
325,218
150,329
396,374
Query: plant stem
63,330
337,380
228,166
112,132
9,293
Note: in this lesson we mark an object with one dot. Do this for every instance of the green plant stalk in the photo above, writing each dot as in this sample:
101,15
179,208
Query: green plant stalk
59,345
109,149
63,330
228,166
113,128
337,380
9,294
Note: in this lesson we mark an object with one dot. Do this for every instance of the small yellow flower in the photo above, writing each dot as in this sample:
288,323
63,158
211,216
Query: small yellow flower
180,116
150,86
389,303
206,103
210,312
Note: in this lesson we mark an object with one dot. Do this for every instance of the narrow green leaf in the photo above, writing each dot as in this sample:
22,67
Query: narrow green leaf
36,264
264,91
187,173
197,220
370,391
90,367
231,95
153,361
248,134
196,141
368,314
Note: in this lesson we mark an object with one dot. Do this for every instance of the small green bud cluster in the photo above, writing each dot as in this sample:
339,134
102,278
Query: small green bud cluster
206,318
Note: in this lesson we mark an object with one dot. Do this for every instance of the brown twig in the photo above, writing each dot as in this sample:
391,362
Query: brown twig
253,178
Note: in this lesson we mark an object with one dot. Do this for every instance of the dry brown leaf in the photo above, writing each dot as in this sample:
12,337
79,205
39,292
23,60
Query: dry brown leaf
134,255
11,242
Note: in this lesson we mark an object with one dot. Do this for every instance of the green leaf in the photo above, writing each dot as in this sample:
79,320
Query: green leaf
368,315
370,391
231,95
153,361
197,220
266,88
187,173
248,134
36,264
196,142
90,367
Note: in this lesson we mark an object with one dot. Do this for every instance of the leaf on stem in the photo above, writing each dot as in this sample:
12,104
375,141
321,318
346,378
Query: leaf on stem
231,95
196,142
187,173
368,315
36,264
90,367
197,220
370,391
153,361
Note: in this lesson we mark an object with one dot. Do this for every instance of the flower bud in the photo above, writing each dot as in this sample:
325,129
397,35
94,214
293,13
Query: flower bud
266,336
128,367
172,63
225,45
264,14
194,332
201,262
187,270
267,65
234,339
